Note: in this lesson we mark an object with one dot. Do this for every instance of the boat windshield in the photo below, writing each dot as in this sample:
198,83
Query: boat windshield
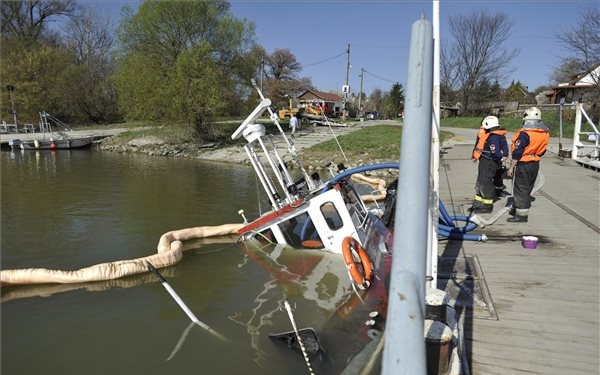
354,203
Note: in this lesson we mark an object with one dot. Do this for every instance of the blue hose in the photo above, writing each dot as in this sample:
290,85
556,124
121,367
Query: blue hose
446,226
364,168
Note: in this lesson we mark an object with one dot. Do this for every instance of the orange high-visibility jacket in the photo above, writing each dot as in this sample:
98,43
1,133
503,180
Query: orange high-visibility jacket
529,144
482,137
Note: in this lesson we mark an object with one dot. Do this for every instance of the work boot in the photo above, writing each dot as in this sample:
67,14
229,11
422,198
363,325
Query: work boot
501,193
482,210
517,219
512,211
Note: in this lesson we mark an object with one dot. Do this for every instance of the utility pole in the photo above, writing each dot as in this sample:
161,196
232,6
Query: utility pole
346,88
360,111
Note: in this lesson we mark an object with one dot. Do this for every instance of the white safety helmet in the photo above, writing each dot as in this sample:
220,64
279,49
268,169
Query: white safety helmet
490,122
532,113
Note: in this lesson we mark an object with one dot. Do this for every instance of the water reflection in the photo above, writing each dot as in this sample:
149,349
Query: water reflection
46,290
311,277
72,209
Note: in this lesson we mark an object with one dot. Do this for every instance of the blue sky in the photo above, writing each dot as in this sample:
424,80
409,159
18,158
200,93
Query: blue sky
318,33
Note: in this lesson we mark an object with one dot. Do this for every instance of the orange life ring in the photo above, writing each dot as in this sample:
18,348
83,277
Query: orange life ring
362,279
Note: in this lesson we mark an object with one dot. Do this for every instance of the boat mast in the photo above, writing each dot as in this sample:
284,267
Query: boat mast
255,134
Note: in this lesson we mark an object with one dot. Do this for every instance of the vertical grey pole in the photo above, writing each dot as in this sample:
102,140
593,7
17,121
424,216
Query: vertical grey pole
404,348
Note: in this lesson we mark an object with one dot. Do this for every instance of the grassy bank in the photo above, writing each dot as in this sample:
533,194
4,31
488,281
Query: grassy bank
372,144
512,124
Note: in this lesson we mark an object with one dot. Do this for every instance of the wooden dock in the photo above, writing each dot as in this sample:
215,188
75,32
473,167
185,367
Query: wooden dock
547,300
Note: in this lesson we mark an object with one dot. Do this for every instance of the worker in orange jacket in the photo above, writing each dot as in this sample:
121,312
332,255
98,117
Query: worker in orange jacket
528,146
491,149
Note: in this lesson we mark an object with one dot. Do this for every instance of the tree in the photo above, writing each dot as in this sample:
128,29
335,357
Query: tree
282,80
182,60
376,100
32,59
34,75
582,43
28,19
90,90
477,53
567,71
394,103
516,92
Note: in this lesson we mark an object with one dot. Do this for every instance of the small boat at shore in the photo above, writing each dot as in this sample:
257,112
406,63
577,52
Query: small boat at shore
57,140
62,143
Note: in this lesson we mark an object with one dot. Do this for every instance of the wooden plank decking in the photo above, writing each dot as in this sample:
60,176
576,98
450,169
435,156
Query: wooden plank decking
548,299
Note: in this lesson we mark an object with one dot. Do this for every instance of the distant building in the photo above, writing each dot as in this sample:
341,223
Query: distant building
330,103
575,90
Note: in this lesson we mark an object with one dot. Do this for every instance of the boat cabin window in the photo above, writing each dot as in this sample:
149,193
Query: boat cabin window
299,231
266,236
332,216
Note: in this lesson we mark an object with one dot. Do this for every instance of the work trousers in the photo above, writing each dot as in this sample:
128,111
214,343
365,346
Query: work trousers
524,179
486,174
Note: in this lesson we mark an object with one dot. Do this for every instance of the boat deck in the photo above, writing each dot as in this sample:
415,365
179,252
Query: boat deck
547,300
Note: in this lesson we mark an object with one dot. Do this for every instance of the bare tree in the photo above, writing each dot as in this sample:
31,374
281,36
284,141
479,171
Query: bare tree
91,37
376,100
477,52
29,18
582,43
567,71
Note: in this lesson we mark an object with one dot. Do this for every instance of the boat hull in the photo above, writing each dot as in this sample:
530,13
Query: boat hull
57,144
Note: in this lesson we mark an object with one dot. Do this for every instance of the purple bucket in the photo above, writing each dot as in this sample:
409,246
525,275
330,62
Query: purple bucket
530,242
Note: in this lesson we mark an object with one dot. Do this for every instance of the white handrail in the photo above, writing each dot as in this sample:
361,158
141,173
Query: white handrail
577,144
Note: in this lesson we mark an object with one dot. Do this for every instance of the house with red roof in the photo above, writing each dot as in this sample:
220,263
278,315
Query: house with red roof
330,104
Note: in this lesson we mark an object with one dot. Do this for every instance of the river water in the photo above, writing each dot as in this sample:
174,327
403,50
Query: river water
72,209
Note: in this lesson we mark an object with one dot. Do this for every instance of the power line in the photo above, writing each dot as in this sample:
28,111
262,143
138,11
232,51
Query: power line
379,77
323,61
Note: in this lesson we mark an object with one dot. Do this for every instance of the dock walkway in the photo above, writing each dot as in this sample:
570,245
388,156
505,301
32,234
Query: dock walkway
547,300
5,138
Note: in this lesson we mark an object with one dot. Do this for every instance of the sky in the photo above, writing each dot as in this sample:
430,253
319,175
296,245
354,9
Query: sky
378,32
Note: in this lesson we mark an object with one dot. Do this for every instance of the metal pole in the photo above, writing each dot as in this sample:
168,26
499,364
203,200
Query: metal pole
10,89
347,73
360,114
182,304
560,132
575,152
432,266
404,348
